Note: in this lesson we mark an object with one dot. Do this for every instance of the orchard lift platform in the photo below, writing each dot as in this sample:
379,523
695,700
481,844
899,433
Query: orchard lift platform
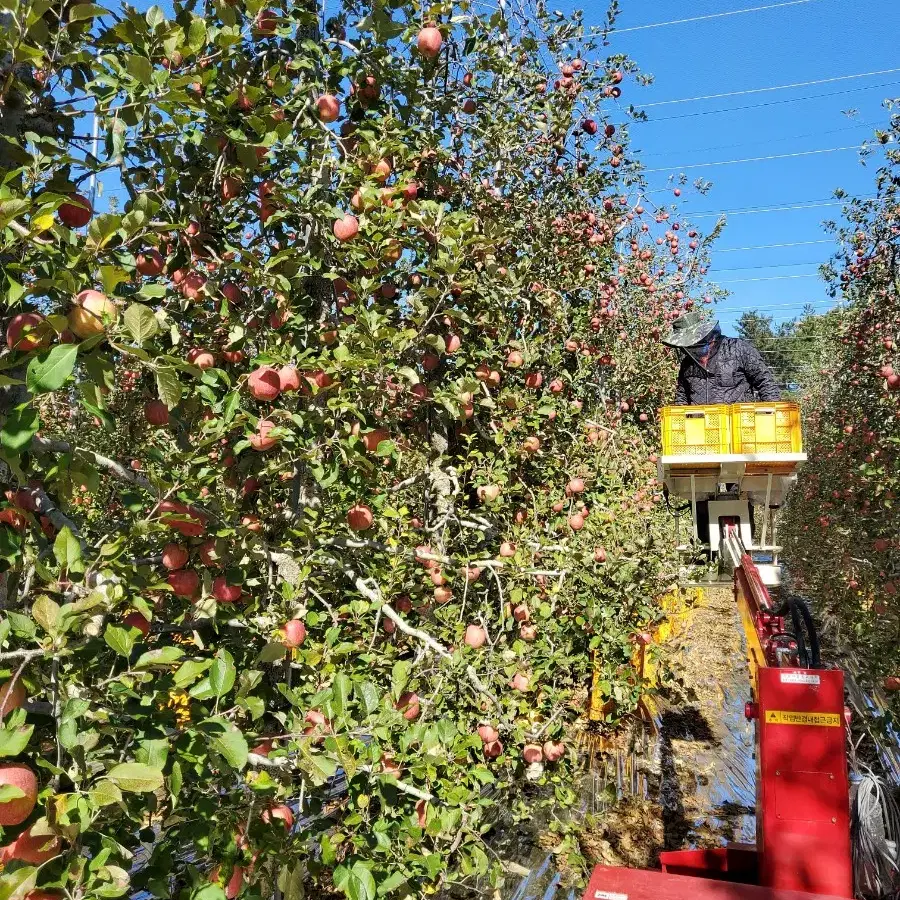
802,849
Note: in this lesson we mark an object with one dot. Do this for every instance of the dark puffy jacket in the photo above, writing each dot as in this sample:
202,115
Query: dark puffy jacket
734,373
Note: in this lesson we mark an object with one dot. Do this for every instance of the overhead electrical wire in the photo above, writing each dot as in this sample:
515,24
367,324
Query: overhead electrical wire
772,266
720,15
773,246
767,278
727,109
753,210
777,87
734,162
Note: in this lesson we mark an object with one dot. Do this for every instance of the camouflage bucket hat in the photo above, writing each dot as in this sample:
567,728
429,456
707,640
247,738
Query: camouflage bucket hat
691,329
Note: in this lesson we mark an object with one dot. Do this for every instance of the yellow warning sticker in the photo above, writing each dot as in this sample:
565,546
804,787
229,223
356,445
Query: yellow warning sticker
782,717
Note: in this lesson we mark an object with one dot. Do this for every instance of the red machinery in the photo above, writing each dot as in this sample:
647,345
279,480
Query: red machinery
802,850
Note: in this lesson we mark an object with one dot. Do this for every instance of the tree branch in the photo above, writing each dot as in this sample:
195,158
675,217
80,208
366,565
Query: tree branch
123,474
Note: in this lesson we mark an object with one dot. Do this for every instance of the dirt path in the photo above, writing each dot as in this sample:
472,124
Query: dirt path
699,768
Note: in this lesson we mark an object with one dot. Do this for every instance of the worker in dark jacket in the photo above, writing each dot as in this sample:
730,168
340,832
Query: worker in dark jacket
715,368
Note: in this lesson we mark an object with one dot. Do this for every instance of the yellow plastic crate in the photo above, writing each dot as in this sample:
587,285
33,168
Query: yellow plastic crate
766,428
696,430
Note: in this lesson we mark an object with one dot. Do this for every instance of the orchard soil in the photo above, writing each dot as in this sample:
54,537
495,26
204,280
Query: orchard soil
683,777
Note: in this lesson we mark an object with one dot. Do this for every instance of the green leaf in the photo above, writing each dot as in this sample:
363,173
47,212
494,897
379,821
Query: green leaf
49,371
197,34
67,551
231,406
155,16
81,11
9,792
391,883
105,793
175,781
190,671
362,881
140,322
272,652
113,276
399,677
120,639
368,693
228,740
13,741
153,291
168,386
46,613
165,656
340,693
18,884
136,778
20,427
103,227
222,673
139,67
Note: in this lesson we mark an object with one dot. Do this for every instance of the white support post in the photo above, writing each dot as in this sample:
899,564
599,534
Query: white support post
694,508
765,525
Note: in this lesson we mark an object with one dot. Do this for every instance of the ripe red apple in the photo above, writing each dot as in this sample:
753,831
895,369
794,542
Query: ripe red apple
475,636
488,734
891,683
532,753
493,749
554,751
264,383
280,812
231,187
429,41
225,592
235,882
184,583
514,359
442,595
534,380
576,522
557,386
28,331
528,632
453,343
531,444
266,22
12,696
288,378
193,285
262,439
329,107
294,633
473,573
519,682
201,358
92,313
174,557
576,486
359,517
76,212
507,549
17,810
150,262
408,704
137,620
31,848
346,229
156,412
599,555
488,493
373,438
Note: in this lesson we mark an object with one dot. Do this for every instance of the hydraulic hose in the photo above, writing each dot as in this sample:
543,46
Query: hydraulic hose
804,631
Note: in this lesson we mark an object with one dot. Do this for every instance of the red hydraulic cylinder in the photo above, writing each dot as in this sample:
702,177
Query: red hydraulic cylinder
803,819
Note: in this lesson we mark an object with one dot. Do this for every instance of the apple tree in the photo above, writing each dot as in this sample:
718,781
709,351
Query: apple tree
327,437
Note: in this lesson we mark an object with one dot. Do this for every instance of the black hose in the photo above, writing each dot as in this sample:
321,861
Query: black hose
804,631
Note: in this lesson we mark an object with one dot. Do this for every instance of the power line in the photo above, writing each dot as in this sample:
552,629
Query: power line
727,109
777,87
772,266
767,278
721,15
795,137
734,162
773,246
752,210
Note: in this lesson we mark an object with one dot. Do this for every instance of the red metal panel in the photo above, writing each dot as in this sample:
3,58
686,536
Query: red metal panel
634,884
735,862
803,792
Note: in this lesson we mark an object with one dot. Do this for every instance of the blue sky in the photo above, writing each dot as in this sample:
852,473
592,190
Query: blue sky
810,40
797,41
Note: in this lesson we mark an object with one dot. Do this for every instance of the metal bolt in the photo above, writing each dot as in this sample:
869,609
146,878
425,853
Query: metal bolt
833,820
777,771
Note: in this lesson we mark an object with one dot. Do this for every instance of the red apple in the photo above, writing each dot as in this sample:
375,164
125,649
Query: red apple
174,557
475,636
18,809
264,383
184,583
408,704
225,592
429,41
360,518
76,212
294,633
328,107
156,413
